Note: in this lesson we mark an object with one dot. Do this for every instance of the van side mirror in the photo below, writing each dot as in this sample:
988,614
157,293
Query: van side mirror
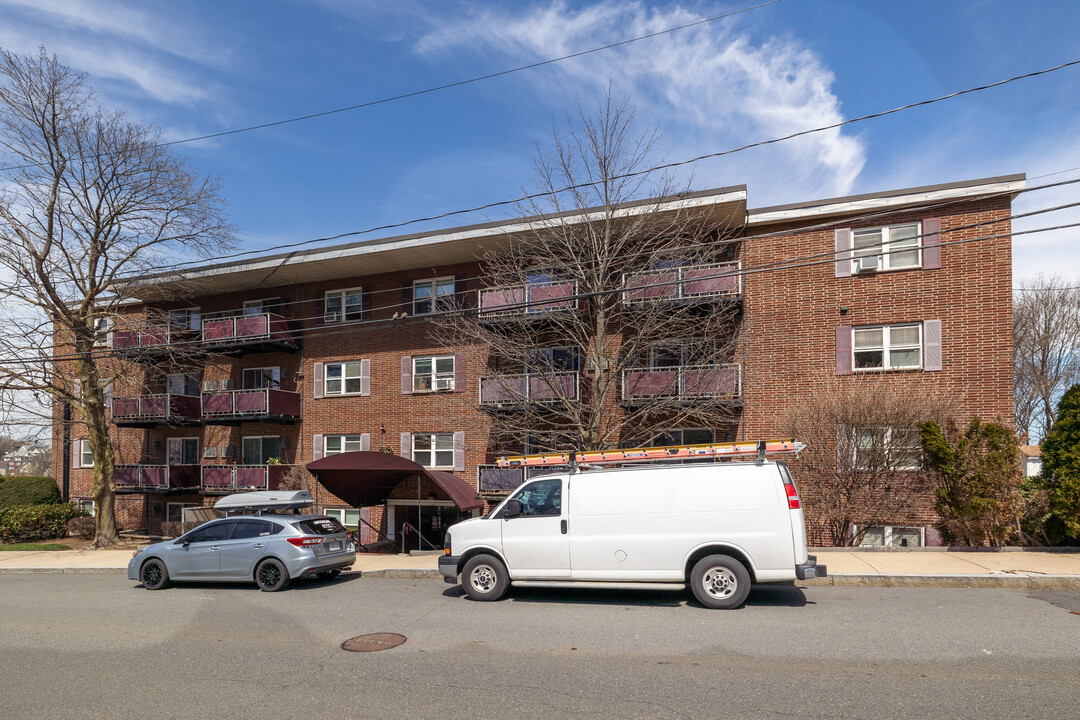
512,509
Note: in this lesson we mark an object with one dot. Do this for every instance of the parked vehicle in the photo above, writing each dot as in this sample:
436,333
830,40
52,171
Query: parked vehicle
717,527
260,545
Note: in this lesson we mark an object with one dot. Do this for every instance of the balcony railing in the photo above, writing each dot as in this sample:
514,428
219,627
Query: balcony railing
156,409
684,383
689,283
530,387
238,478
260,404
152,339
532,300
146,478
260,328
495,479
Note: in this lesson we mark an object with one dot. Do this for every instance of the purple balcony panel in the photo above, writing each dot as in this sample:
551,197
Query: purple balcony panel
126,476
125,339
125,407
499,300
250,401
283,402
251,476
551,297
721,280
497,479
279,328
217,403
248,326
154,405
217,476
218,329
559,387
652,383
183,476
184,406
502,389
711,381
652,286
153,337
155,476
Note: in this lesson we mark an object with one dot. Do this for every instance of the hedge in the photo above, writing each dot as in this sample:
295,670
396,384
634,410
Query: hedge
30,523
28,490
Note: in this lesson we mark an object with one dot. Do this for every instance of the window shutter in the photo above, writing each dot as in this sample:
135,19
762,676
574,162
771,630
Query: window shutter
317,380
843,350
459,451
932,345
77,389
459,372
365,442
843,252
365,378
107,393
76,453
317,446
406,445
931,242
406,375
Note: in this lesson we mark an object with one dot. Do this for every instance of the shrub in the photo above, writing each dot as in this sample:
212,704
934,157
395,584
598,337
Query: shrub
30,523
82,527
29,490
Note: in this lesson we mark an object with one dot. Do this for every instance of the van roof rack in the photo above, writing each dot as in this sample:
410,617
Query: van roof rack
758,448
261,501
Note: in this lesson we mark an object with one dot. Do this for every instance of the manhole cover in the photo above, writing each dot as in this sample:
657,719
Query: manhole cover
373,642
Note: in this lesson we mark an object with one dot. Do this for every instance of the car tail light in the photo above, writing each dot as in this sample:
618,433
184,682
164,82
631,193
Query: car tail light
792,494
304,541
350,536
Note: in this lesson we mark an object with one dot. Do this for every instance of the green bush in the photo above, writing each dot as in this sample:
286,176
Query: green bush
30,523
28,490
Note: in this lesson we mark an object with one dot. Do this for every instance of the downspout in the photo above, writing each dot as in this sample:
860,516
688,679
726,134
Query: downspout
65,472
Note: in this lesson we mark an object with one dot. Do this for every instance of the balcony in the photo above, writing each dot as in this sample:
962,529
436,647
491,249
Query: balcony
155,478
495,480
238,478
231,407
685,285
527,302
261,332
514,390
155,341
150,410
691,384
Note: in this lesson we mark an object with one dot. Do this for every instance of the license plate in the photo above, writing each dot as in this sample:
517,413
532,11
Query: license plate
336,545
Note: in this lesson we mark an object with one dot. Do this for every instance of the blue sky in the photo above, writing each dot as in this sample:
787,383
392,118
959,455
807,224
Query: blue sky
202,67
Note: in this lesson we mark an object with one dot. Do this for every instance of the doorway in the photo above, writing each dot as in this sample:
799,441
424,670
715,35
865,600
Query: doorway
433,521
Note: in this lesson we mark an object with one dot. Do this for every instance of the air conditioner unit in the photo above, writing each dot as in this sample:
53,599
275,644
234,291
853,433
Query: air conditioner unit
868,263
209,385
229,384
228,451
331,317
209,452
444,383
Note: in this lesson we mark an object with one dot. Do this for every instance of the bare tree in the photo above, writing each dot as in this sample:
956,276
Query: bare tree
89,203
1046,347
578,312
863,463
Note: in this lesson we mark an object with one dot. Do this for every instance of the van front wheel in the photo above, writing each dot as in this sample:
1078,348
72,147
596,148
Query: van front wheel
484,577
720,582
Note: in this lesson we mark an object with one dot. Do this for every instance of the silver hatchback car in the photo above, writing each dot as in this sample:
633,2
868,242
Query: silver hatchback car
268,548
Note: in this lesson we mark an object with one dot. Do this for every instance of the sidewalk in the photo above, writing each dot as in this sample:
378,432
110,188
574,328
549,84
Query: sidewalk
1017,568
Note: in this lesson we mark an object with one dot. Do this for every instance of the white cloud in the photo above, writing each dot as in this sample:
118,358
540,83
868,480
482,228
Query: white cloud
711,88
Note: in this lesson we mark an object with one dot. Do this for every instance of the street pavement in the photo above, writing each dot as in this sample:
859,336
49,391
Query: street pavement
1020,568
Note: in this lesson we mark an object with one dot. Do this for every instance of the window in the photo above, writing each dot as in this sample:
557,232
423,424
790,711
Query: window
248,529
680,353
893,536
343,378
433,450
430,296
183,451
258,307
335,444
211,532
86,506
349,517
894,246
433,373
542,498
888,347
86,458
688,436
555,359
189,318
182,384
889,448
344,305
257,450
259,378
174,511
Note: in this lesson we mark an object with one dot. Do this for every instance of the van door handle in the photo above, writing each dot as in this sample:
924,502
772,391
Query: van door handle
563,525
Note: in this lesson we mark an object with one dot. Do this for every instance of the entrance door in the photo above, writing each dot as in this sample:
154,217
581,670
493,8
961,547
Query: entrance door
534,543
433,522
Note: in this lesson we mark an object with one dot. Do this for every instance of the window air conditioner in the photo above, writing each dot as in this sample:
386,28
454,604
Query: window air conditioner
228,451
331,317
229,384
444,383
209,385
868,263
209,452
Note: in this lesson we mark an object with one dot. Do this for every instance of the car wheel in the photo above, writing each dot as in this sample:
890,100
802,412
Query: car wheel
271,575
484,577
153,574
328,574
720,582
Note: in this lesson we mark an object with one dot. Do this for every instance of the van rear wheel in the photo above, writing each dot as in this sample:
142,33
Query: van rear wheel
485,578
720,582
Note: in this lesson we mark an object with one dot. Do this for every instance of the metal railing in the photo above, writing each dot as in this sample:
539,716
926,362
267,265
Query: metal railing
527,300
159,406
494,479
528,387
239,329
237,478
683,382
155,477
248,403
685,282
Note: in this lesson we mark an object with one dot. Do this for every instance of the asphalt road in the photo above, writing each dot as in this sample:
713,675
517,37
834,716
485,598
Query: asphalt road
94,646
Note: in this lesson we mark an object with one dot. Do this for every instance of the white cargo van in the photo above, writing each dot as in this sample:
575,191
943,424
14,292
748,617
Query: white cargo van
716,526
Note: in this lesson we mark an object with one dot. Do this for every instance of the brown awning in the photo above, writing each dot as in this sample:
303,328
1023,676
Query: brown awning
368,478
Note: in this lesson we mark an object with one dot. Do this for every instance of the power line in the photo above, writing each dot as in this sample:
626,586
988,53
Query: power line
437,88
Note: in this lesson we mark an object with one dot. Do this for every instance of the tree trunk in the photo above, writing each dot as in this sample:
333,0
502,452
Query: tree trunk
97,427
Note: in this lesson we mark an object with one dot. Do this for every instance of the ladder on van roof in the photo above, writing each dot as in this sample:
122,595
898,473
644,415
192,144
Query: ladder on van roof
755,448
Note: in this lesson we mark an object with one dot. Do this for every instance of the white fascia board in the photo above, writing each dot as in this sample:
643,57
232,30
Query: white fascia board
468,234
856,206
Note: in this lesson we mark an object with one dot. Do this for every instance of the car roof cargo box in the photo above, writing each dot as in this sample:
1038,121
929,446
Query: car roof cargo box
264,500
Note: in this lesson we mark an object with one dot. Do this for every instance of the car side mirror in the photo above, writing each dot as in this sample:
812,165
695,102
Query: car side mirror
185,542
512,509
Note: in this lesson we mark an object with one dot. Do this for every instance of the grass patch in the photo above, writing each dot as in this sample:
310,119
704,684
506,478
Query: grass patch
34,546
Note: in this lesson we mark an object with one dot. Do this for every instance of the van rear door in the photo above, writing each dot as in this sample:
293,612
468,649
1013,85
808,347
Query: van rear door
798,522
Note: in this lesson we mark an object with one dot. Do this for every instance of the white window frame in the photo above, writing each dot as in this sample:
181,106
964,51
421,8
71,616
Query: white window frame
258,307
434,285
85,454
886,347
275,377
343,380
344,313
342,514
192,319
885,251
343,442
169,506
682,437
85,505
260,438
887,449
435,381
183,441
433,452
888,534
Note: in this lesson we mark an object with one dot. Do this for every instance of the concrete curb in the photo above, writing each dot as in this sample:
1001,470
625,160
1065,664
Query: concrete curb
997,581
61,571
409,573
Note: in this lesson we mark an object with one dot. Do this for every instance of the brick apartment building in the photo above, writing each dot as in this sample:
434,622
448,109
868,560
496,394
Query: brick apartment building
292,358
